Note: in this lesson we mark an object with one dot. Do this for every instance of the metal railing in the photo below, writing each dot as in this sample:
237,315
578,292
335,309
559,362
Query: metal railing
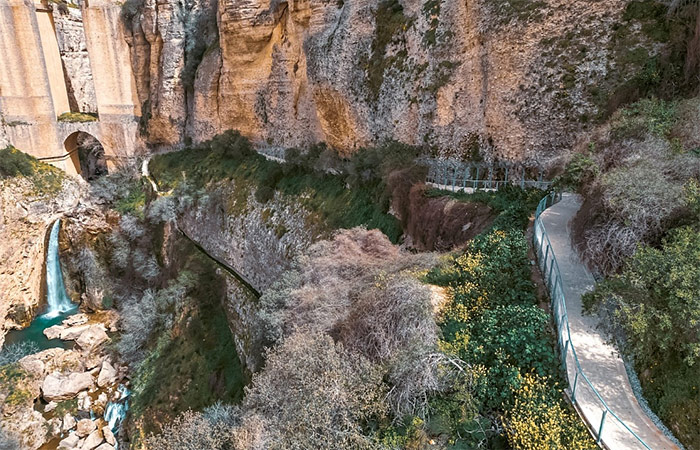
468,177
569,360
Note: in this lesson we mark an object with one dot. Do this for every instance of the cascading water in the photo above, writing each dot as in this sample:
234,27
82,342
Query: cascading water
57,299
115,411
59,304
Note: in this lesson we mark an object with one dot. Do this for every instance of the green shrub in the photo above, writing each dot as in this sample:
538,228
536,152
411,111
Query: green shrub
580,171
74,117
15,163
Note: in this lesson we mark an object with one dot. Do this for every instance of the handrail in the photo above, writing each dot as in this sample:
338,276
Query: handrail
548,262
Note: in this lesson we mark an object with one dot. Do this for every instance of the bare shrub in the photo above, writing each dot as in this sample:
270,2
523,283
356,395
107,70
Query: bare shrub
193,431
145,265
131,227
121,252
14,352
163,209
314,394
139,316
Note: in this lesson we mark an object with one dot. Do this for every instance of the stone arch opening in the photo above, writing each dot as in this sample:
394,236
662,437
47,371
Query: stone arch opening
87,155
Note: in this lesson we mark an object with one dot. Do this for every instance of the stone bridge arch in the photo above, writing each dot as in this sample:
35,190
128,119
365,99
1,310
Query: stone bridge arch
33,91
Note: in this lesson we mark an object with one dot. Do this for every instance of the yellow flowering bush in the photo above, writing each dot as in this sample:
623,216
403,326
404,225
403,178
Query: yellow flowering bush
541,420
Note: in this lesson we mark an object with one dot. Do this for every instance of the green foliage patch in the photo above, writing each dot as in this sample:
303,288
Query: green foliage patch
47,179
326,195
77,117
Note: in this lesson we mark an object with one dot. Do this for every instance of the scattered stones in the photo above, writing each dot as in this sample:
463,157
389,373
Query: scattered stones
84,401
108,375
85,427
109,436
92,337
57,387
69,443
68,422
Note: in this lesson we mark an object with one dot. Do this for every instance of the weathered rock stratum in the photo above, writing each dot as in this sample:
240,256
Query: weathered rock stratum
458,76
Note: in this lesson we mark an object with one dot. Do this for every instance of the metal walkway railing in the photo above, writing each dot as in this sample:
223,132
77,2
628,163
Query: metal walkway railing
468,177
569,360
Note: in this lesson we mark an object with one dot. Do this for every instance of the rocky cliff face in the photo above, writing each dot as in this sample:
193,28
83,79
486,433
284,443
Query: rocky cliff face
24,220
72,45
260,241
459,76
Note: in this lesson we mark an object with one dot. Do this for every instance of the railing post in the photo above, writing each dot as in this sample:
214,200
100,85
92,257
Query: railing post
573,390
476,179
600,430
546,257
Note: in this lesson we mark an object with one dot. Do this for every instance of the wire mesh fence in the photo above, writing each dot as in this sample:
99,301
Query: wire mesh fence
456,176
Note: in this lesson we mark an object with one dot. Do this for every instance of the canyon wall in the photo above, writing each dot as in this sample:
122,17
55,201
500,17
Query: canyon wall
260,241
454,75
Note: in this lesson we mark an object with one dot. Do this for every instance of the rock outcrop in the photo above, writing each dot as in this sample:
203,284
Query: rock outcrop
451,74
58,387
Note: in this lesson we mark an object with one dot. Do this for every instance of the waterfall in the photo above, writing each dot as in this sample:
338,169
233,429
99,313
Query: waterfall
115,411
55,289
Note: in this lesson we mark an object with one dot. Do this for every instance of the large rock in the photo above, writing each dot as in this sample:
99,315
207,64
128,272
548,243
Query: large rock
68,422
105,446
54,332
92,337
109,436
85,427
69,443
108,375
93,440
60,387
76,319
73,333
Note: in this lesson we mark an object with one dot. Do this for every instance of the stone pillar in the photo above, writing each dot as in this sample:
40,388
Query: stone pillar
115,85
25,94
52,59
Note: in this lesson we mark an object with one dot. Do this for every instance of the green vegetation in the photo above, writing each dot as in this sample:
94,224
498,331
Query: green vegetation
493,323
391,23
512,204
198,353
655,301
639,73
326,196
518,10
11,381
47,180
73,117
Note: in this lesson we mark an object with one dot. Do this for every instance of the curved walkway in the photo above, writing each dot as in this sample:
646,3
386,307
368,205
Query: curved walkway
599,360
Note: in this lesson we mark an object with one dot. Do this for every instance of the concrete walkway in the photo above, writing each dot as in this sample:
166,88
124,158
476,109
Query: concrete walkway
599,360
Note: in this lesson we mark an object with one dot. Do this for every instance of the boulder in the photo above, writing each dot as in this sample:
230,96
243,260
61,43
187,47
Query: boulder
72,333
92,441
84,401
109,436
75,319
54,332
68,422
108,375
105,446
85,427
69,443
58,387
92,337
50,406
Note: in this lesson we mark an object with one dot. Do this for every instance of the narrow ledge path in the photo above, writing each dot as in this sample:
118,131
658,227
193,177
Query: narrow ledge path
600,361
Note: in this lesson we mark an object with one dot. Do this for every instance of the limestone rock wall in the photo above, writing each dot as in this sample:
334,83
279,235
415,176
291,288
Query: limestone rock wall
259,240
76,61
451,74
